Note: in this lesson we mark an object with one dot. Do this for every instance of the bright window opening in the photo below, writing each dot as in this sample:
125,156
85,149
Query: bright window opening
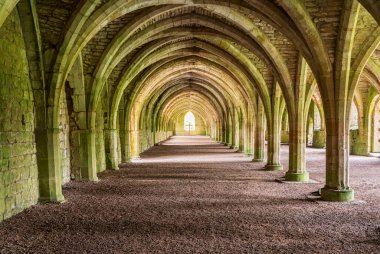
189,122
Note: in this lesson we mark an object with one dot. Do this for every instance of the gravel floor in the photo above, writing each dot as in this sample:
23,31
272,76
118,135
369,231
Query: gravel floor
202,198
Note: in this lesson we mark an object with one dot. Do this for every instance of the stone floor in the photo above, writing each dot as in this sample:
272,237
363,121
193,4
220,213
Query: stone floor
192,195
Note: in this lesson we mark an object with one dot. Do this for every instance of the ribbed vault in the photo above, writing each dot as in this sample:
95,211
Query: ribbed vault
149,58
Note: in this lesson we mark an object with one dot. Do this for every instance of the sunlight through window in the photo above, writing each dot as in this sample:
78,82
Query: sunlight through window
189,122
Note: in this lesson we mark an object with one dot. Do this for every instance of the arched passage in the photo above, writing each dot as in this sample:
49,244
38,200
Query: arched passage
97,83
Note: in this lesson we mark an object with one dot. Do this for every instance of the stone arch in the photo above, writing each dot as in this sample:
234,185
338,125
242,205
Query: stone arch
92,22
281,83
6,8
174,95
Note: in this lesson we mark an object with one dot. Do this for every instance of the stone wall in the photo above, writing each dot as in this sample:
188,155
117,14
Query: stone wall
18,165
118,143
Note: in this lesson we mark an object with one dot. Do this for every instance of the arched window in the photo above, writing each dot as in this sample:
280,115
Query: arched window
354,120
189,122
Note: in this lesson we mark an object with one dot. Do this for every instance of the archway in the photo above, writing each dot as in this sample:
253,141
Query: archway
189,123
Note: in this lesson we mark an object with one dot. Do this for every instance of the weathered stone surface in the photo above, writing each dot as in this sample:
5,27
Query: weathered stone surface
18,165
319,139
65,145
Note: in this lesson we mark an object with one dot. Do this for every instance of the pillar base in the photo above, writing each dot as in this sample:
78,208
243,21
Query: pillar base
91,179
258,160
297,177
277,167
59,199
337,195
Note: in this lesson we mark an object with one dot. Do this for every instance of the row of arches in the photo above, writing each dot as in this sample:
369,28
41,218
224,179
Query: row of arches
316,130
110,79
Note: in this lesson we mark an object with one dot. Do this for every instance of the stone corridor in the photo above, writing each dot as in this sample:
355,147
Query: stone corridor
187,126
193,195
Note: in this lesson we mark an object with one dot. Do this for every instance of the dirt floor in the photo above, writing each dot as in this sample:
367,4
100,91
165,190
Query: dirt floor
202,198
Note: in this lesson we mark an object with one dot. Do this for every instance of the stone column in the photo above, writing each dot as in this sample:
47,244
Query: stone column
249,138
274,131
337,152
135,144
274,139
83,154
233,130
112,154
225,131
230,123
297,130
123,145
259,141
241,133
89,171
221,131
141,138
123,135
297,151
219,127
337,113
49,165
